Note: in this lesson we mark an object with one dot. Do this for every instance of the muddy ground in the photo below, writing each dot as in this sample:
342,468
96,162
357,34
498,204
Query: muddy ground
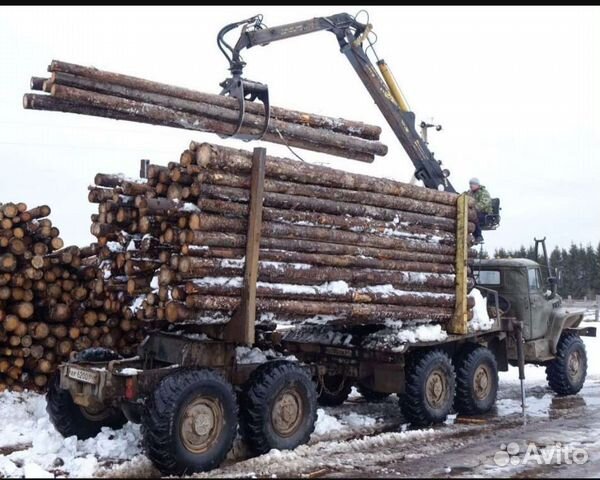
453,450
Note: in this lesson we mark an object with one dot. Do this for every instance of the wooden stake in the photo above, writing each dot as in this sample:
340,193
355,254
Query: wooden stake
241,327
458,324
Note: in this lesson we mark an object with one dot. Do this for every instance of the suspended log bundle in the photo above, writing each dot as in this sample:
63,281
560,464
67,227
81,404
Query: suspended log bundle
49,303
89,91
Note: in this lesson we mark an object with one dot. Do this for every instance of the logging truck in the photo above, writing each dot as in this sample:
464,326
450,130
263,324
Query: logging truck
191,391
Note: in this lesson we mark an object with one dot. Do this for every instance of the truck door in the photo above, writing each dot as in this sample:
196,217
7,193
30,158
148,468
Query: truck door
540,308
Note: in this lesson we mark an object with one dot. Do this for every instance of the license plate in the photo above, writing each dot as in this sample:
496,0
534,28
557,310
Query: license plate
83,375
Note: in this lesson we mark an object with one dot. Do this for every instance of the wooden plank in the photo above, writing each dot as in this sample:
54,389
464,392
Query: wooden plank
458,324
241,327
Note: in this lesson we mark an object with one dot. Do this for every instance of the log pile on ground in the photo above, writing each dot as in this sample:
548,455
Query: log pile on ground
50,303
89,91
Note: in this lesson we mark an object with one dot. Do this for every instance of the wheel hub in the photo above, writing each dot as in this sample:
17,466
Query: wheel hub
574,365
436,389
482,383
287,412
204,420
201,423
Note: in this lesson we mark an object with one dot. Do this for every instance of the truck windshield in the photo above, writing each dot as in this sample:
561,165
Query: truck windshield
488,277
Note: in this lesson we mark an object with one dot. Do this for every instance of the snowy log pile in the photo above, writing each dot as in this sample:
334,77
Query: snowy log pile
348,248
49,303
128,227
89,91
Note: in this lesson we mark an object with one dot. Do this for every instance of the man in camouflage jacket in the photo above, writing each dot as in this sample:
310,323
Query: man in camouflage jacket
483,205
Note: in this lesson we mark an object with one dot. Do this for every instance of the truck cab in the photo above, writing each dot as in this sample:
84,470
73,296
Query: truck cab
525,295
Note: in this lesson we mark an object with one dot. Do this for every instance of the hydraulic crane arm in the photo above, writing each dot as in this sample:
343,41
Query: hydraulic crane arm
385,92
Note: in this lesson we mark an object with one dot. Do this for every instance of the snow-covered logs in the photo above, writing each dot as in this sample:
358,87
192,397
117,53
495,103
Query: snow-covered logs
89,91
349,248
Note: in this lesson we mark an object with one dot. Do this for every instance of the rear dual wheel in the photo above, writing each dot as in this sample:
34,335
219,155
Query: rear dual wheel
430,386
434,385
191,419
278,407
476,381
189,422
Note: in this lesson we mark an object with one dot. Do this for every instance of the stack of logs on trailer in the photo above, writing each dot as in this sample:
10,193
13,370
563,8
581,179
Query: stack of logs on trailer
128,227
346,248
51,299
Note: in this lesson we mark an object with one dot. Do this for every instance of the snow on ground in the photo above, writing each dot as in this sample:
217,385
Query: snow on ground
327,424
590,314
329,454
42,452
534,406
31,447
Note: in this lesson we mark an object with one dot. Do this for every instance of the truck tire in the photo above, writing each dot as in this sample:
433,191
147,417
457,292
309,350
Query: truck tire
566,373
476,381
189,422
71,419
278,407
371,395
430,386
334,390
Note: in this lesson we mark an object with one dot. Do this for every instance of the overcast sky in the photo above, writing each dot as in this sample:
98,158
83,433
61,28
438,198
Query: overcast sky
516,90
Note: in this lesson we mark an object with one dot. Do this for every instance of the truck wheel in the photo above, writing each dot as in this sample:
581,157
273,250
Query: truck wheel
476,382
279,407
371,395
71,419
430,386
334,390
189,422
566,373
